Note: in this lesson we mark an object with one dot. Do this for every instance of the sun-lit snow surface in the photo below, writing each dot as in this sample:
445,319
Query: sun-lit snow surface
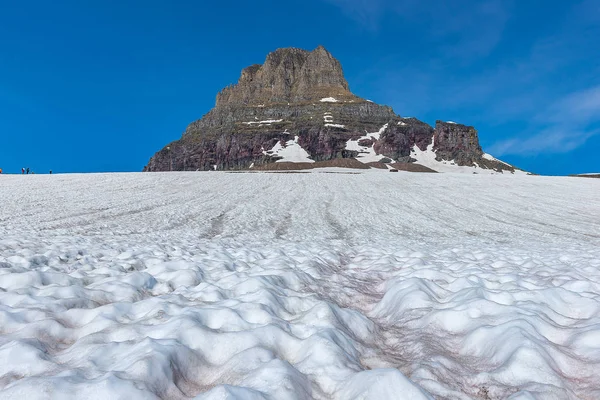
428,159
492,158
328,120
296,286
267,122
367,154
291,152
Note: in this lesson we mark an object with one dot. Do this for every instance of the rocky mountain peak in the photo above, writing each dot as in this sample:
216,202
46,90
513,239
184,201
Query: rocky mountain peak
288,75
296,109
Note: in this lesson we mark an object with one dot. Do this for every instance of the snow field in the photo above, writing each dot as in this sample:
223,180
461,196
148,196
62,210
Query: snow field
299,286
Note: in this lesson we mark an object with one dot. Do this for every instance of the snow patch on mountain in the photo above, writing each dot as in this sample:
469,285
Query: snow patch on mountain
492,158
327,118
290,152
428,156
367,154
266,122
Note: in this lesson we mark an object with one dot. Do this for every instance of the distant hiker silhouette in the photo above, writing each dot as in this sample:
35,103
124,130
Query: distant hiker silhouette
22,171
27,171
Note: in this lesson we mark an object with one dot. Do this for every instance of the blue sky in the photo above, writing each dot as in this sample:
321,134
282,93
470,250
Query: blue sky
101,85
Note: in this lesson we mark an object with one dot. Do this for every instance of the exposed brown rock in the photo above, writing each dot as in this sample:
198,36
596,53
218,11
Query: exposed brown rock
338,162
281,99
456,142
289,76
377,165
411,167
586,176
461,143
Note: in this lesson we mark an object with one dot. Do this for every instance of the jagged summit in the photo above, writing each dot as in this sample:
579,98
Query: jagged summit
288,75
297,109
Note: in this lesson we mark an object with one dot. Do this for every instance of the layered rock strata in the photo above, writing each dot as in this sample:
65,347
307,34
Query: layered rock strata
297,107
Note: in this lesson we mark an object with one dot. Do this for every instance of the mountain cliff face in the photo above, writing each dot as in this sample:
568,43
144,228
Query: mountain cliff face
288,75
297,107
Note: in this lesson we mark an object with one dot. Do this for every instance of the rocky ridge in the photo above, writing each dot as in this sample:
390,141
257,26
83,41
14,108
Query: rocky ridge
298,107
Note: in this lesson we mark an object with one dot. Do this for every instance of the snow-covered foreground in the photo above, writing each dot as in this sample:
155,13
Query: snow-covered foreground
297,286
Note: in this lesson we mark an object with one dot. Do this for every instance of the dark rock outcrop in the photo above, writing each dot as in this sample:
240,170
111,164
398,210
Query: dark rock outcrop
456,142
304,93
400,137
410,167
586,175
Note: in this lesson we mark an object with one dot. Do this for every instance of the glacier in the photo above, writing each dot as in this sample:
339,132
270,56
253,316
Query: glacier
313,285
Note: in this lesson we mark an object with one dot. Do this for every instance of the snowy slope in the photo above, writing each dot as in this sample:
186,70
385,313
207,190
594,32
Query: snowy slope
298,286
428,159
367,154
291,152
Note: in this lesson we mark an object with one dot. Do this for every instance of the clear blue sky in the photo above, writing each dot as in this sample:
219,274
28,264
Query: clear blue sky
100,85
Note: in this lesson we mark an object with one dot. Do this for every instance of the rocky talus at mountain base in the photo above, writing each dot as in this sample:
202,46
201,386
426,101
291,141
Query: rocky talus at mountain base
297,108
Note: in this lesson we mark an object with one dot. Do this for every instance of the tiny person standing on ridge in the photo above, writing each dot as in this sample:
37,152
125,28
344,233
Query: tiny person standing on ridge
22,171
27,171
